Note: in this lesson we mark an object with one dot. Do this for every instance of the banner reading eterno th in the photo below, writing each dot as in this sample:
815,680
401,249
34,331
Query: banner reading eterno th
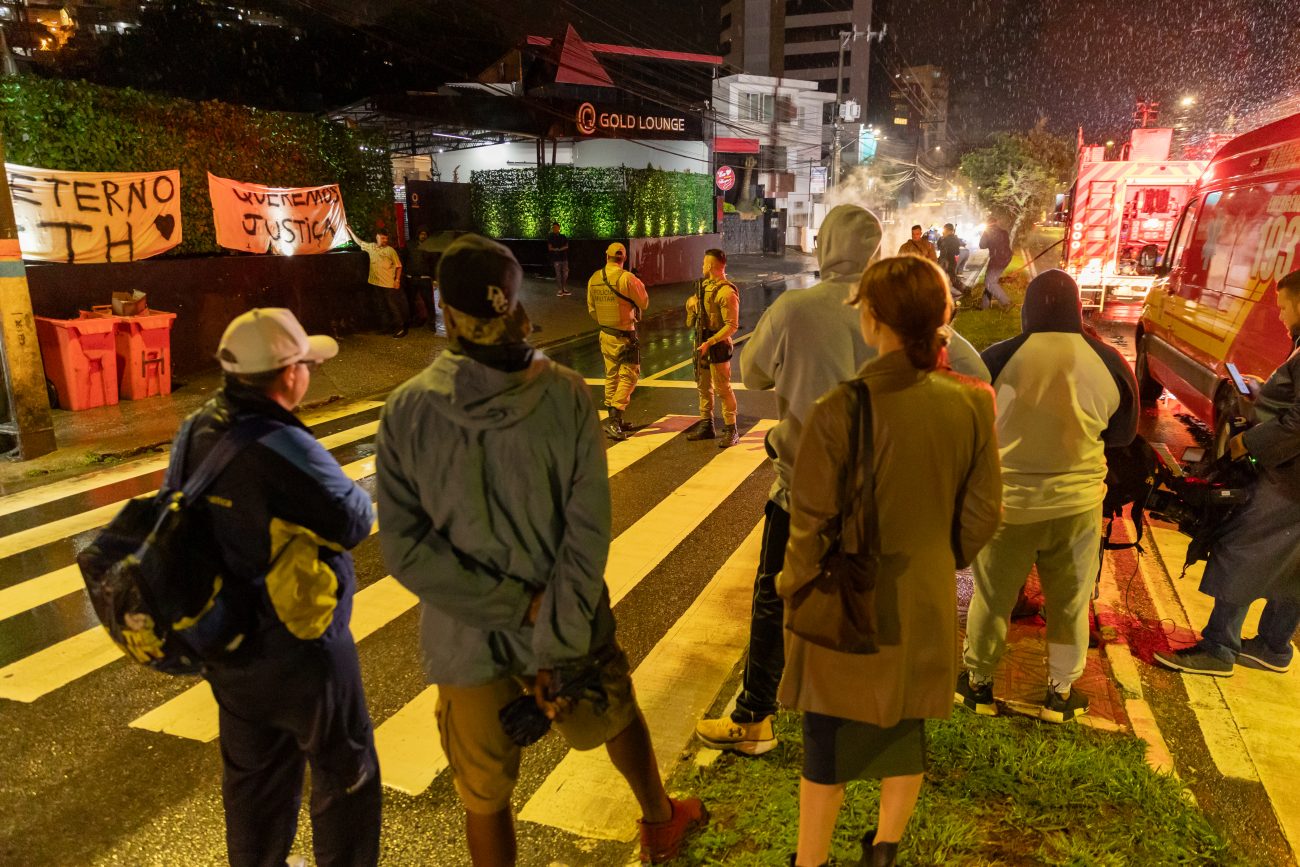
83,217
289,221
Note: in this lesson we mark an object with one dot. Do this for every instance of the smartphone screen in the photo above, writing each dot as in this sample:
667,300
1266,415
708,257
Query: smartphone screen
1237,380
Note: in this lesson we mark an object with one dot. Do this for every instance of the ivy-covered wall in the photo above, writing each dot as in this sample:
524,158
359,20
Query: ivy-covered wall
591,202
76,126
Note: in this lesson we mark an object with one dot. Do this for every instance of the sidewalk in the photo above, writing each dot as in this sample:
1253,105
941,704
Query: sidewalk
367,367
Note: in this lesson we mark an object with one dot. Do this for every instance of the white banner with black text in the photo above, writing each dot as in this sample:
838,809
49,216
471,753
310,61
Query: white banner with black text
288,221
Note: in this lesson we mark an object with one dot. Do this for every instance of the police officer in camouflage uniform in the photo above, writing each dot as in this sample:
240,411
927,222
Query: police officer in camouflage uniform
616,299
714,312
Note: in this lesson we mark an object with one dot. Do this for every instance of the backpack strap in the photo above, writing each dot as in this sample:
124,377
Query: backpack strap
244,433
636,311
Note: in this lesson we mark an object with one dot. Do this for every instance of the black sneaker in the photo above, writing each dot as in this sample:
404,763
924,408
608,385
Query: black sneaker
1194,660
1059,708
976,698
701,430
730,437
1256,654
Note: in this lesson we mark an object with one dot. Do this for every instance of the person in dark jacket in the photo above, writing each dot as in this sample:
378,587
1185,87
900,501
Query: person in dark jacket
998,242
1257,553
285,515
419,280
949,258
1063,396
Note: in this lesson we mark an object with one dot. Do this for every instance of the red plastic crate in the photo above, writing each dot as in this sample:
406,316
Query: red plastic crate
144,352
80,357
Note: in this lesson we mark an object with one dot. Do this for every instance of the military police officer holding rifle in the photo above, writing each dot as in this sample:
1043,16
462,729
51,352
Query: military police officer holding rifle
714,312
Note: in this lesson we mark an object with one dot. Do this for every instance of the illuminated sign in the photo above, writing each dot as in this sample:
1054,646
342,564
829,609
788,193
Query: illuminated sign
725,177
633,124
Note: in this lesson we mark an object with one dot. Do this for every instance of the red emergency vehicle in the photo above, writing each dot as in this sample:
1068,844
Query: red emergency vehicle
1215,299
1122,215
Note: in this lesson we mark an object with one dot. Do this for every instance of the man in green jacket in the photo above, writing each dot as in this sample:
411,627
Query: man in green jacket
494,510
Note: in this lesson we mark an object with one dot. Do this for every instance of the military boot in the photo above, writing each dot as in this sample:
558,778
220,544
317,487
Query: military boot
730,436
613,425
702,430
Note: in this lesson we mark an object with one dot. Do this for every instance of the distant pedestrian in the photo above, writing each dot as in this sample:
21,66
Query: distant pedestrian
998,242
285,516
558,245
903,426
918,245
494,509
1063,397
419,280
714,314
804,345
950,258
385,280
616,299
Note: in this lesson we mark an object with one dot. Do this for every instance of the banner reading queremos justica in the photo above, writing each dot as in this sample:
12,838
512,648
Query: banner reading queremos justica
289,221
83,217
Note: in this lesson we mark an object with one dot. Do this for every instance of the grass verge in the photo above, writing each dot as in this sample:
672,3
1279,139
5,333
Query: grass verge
983,328
1009,791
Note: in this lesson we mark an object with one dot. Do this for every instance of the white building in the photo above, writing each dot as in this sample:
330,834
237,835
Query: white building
776,122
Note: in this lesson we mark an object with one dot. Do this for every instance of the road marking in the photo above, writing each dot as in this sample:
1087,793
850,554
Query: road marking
102,478
642,546
679,365
193,713
72,525
675,684
410,753
622,455
45,671
40,590
664,383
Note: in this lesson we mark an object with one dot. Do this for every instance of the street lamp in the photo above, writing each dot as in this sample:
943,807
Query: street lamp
1189,101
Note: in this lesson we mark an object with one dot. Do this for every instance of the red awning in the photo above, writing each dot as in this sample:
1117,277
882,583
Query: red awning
735,145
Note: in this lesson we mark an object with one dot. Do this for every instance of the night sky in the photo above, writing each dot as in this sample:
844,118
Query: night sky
1076,62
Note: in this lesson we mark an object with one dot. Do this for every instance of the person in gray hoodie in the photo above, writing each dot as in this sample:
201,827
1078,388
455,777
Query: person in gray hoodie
804,345
494,509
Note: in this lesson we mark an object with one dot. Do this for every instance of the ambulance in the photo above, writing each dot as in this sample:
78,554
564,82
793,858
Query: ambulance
1122,215
1210,322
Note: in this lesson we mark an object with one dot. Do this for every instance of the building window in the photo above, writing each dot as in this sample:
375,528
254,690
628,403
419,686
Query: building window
821,60
815,7
757,106
787,111
826,33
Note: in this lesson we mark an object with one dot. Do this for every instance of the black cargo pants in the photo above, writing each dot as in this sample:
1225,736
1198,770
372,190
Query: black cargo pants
766,628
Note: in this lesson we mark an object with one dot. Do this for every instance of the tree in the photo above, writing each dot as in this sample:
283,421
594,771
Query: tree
1019,174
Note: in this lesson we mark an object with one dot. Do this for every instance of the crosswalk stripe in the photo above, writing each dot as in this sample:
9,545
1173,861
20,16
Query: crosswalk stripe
58,665
642,546
193,713
40,590
675,684
632,555
663,383
88,482
63,528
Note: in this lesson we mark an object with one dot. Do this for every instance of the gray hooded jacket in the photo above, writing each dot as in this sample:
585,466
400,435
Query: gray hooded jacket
809,340
491,486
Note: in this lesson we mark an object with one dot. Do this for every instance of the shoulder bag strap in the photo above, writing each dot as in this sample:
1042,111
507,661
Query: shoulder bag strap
232,443
176,462
636,311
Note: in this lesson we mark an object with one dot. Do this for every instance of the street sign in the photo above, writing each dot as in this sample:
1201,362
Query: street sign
725,177
817,183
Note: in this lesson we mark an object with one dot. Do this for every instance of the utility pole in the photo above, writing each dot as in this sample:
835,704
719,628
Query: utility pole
24,405
846,37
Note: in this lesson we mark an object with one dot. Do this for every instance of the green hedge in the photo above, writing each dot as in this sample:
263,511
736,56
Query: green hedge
591,202
76,126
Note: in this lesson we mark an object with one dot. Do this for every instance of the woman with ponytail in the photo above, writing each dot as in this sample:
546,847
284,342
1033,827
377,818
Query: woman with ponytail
897,475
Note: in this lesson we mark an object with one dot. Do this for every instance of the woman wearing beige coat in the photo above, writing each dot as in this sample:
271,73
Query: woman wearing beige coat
936,502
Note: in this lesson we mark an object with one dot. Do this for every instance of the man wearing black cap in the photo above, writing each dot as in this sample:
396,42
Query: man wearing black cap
1063,396
616,299
494,509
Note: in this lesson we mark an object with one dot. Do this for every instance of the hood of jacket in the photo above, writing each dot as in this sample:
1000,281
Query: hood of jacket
1052,304
848,240
474,395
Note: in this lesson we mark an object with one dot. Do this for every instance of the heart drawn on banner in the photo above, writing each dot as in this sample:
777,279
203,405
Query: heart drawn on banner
166,224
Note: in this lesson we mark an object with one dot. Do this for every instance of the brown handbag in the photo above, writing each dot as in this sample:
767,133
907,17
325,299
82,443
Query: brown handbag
837,608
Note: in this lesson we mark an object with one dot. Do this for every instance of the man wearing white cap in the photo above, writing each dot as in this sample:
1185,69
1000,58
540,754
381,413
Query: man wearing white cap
284,516
616,299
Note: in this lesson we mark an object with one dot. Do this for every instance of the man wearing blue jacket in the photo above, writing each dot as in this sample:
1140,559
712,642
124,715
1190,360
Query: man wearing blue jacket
285,516
1062,397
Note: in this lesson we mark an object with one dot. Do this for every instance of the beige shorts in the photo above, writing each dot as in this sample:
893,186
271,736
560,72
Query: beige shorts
485,763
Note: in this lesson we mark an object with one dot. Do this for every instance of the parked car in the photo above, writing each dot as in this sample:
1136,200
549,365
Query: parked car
1214,301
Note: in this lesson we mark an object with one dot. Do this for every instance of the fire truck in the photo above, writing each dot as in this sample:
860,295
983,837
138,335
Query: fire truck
1122,215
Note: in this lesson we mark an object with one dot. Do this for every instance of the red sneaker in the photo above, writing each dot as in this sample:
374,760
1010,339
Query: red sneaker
662,841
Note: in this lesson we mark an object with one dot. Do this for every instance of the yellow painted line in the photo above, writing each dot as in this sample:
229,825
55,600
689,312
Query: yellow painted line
193,713
641,547
410,754
675,684
679,365
40,590
622,455
101,478
63,528
663,383
1255,706
33,676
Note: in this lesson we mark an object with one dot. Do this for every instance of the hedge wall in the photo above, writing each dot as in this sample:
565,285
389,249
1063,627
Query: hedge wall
76,126
591,202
